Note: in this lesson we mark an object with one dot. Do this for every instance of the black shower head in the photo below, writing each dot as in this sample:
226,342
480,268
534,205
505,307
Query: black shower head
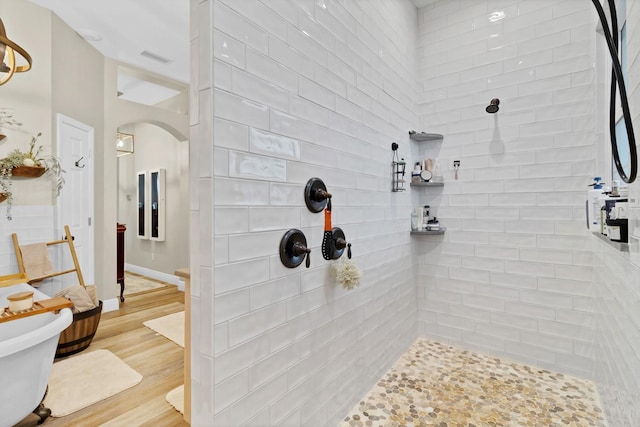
493,106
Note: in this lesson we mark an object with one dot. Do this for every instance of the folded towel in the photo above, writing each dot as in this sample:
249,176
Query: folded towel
36,260
93,293
79,297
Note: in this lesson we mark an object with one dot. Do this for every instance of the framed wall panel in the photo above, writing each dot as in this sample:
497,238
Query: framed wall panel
157,206
141,198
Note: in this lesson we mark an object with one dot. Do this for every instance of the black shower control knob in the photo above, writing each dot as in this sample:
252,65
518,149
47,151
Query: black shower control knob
341,243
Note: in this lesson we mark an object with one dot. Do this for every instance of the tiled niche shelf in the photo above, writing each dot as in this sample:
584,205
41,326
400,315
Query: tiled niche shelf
620,246
424,136
429,232
427,184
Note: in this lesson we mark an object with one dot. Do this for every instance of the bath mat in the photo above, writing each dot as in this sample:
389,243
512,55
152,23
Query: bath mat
176,398
135,283
171,326
80,381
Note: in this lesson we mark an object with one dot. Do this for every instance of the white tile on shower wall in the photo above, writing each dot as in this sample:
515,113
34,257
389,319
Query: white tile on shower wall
258,13
575,139
273,218
223,74
254,245
544,85
231,220
566,286
283,53
274,291
273,365
241,192
230,277
342,70
260,398
571,50
275,145
318,94
230,134
238,109
305,109
577,332
284,9
231,305
306,45
545,42
270,70
564,242
286,124
549,127
261,91
550,256
285,194
567,111
228,49
256,323
559,24
231,23
529,268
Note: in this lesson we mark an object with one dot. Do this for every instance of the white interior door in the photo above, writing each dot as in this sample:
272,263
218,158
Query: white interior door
75,204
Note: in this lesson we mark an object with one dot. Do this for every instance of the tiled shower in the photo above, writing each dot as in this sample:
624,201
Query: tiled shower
289,90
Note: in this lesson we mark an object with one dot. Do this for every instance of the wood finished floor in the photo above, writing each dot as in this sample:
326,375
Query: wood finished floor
159,360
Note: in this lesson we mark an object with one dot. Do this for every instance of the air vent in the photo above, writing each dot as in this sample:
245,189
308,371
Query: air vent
155,57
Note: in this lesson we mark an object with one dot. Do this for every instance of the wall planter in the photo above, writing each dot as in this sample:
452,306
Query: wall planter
28,171
3,197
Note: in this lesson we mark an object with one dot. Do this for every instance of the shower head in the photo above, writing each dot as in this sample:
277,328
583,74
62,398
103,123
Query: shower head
493,106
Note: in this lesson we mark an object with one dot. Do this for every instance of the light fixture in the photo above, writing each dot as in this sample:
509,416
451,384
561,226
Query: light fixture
124,144
8,49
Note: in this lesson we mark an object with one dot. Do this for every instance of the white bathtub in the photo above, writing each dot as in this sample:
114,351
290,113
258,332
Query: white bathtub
27,349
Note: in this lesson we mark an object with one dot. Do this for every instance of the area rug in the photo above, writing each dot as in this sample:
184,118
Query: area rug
176,398
83,380
171,326
135,283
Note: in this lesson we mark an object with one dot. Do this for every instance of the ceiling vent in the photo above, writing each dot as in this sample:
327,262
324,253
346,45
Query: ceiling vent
155,57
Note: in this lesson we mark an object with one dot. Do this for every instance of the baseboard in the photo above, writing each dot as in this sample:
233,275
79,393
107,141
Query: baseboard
112,304
158,275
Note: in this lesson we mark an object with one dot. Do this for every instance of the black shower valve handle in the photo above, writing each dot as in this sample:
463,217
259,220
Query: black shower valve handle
299,249
320,195
341,244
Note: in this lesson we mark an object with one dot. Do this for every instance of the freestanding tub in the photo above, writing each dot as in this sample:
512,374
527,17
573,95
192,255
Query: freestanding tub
27,347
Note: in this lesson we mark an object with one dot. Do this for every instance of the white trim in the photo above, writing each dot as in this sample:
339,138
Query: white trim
158,275
112,304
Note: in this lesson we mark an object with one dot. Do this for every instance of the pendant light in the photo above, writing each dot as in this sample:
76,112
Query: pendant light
8,49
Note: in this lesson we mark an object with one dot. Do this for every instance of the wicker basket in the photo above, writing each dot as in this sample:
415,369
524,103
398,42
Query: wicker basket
79,334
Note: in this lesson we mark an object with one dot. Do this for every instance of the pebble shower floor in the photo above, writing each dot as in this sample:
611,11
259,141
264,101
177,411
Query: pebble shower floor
433,384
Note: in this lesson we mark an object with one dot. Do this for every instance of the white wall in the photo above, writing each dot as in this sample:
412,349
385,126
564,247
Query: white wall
617,332
513,274
155,148
291,346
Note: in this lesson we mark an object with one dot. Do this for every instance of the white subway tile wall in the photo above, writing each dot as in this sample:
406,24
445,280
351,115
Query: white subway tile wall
320,88
617,307
303,89
522,178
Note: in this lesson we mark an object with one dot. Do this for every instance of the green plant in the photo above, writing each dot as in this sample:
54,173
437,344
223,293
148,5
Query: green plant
33,157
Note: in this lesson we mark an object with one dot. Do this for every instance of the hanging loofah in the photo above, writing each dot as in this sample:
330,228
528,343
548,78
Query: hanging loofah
347,273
